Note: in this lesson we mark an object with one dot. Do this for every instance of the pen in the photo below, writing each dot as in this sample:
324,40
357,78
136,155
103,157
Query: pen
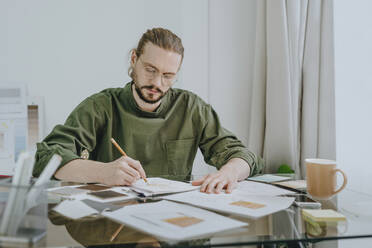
122,152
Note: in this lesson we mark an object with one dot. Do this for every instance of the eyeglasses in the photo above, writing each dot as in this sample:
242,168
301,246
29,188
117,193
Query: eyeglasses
151,73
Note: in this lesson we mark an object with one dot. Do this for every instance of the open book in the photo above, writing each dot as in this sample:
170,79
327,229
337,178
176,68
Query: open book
159,186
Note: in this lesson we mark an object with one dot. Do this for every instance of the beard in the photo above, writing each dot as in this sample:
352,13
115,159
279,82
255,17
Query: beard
150,98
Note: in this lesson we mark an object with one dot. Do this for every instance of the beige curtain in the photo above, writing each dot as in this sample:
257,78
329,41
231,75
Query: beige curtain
292,113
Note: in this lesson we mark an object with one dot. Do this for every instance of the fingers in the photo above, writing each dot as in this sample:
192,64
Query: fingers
127,179
199,181
230,187
212,185
119,177
220,186
135,164
129,170
215,183
126,171
207,180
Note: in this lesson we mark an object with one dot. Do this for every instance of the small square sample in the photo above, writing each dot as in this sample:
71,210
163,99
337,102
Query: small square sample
107,194
247,204
183,221
94,187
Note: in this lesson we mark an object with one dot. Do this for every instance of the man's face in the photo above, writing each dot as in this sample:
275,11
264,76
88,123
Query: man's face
154,72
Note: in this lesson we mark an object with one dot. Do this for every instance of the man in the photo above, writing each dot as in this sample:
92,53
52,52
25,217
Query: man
160,128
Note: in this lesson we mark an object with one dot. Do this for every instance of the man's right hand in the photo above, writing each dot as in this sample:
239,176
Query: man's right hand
123,171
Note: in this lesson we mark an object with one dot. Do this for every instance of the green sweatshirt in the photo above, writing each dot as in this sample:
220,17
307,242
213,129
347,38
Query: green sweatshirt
164,141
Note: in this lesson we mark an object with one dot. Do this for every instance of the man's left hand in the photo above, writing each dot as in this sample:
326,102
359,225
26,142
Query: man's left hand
227,177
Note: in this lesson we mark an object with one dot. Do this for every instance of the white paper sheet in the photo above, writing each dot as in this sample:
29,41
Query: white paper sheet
74,209
262,189
158,186
72,193
7,150
172,221
13,108
252,206
295,184
269,178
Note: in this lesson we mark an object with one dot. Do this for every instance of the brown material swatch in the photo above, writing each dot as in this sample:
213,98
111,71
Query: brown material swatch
246,204
94,187
183,221
107,194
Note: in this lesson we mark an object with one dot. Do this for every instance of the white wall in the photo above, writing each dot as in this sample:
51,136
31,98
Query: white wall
68,50
353,64
231,56
231,36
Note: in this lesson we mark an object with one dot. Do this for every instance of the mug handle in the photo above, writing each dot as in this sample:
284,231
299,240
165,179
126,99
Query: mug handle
345,181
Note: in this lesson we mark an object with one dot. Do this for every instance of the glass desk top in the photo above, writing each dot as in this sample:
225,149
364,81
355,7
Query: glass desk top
284,227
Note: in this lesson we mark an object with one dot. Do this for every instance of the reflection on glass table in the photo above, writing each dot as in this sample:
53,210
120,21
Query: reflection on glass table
287,228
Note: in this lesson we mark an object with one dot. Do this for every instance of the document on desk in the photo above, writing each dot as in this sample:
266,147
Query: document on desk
159,186
238,203
93,192
172,221
268,178
262,189
74,209
294,184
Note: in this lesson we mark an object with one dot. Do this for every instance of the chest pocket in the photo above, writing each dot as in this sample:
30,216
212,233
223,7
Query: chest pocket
180,155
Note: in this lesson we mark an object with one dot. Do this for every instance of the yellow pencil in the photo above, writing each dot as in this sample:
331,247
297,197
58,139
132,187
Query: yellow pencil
116,232
144,179
122,152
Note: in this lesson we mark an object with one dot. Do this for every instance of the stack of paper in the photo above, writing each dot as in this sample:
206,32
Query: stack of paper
74,209
250,199
262,189
172,221
269,178
294,184
94,192
252,206
13,124
159,186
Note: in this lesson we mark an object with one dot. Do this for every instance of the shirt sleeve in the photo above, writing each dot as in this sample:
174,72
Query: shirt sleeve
69,140
219,145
